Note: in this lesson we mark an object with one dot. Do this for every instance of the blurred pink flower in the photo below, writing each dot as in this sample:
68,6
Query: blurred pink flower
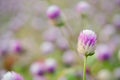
16,46
83,7
53,12
38,69
55,15
51,65
103,52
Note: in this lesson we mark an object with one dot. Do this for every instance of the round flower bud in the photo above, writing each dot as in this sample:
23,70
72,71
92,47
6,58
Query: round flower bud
103,52
12,76
55,15
38,69
104,75
16,47
51,65
86,42
83,7
53,12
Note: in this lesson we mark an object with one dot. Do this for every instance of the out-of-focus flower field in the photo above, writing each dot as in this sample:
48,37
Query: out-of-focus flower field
38,48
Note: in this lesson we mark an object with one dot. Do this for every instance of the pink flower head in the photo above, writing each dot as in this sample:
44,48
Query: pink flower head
103,52
55,16
51,65
86,42
16,46
53,12
82,7
37,69
12,76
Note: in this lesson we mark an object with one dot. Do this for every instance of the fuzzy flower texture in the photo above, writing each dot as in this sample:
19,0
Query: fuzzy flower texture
55,15
86,42
12,76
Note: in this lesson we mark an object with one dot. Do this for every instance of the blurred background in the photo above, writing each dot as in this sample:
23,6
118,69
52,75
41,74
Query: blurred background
29,42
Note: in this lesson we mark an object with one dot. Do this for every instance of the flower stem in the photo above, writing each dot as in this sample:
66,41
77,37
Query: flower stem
84,72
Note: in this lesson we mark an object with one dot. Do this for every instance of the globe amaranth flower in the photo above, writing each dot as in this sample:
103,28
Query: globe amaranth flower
86,42
16,46
55,15
51,65
83,7
38,69
103,52
12,76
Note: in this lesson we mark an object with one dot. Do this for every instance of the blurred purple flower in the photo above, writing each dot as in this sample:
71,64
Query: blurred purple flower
83,7
51,65
38,69
55,15
53,12
12,76
86,42
103,52
16,46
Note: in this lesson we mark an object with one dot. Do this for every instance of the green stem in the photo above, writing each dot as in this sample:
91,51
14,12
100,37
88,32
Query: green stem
84,72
